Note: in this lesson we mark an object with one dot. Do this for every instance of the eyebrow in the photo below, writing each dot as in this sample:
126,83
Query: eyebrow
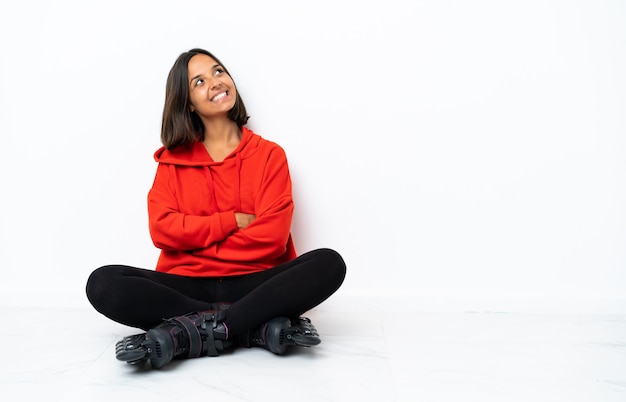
199,75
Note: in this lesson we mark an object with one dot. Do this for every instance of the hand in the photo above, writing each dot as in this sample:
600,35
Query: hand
243,220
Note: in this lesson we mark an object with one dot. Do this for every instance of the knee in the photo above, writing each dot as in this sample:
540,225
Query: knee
334,264
99,283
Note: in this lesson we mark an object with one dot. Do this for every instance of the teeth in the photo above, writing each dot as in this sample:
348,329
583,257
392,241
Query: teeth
219,96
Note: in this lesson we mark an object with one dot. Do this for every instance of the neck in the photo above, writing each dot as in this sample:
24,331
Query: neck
221,137
221,131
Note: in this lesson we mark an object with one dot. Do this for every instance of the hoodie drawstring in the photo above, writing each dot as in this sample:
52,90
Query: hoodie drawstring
209,179
238,182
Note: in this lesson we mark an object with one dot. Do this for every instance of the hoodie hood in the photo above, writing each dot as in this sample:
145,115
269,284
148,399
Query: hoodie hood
229,170
196,154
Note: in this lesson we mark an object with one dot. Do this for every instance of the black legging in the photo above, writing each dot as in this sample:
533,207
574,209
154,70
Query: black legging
144,298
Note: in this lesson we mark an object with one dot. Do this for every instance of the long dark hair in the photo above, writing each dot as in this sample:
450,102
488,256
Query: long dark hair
180,125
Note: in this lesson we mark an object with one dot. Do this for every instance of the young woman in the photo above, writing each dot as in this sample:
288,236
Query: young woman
220,211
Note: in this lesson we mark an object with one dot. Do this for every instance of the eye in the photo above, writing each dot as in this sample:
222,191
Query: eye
219,71
199,82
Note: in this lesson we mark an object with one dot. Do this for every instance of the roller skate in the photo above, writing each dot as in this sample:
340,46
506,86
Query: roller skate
189,336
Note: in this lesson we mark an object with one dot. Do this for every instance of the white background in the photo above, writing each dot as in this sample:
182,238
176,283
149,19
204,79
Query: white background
458,154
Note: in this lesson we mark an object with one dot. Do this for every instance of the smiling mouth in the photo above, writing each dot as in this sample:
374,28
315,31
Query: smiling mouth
219,96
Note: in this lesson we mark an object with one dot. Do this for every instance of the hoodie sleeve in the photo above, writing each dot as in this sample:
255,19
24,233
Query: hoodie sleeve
266,238
171,229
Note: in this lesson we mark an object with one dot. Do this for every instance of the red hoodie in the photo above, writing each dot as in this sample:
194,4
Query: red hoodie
192,205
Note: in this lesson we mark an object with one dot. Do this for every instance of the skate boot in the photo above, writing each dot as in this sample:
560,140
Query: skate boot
188,336
279,333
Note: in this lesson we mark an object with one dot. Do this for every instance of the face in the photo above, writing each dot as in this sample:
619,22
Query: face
212,92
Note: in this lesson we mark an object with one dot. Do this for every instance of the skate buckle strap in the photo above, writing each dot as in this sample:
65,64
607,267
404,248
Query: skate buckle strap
211,342
195,340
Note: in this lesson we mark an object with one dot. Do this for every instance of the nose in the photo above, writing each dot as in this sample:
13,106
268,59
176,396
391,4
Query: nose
215,82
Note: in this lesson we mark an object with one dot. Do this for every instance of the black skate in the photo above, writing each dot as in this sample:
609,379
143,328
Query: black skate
192,335
279,333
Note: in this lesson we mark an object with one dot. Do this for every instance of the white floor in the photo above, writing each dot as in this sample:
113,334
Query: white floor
61,354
